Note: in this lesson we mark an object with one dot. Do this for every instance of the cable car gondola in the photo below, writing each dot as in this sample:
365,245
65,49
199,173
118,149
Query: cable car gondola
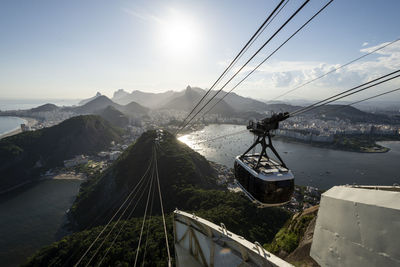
262,179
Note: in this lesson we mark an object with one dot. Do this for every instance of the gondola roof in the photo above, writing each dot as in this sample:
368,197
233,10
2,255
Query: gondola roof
268,170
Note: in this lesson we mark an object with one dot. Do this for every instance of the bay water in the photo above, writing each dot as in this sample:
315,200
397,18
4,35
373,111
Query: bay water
315,166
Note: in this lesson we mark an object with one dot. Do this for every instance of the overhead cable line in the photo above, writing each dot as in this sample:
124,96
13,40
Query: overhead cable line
375,96
362,100
162,210
345,93
112,218
122,227
335,69
238,56
93,223
144,217
148,224
270,55
247,62
115,224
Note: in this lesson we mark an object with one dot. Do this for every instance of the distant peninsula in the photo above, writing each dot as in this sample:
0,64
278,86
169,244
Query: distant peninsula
352,143
24,157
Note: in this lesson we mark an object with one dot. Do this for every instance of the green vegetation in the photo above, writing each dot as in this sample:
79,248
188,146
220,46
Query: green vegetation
67,251
23,157
288,238
187,182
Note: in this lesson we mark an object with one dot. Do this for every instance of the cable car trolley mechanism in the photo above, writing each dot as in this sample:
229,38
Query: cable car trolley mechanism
264,180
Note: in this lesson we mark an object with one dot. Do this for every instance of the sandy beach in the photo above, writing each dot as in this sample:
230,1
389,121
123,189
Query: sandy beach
69,176
29,121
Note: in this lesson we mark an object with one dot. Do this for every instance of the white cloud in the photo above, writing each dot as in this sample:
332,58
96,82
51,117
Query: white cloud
281,79
365,44
282,76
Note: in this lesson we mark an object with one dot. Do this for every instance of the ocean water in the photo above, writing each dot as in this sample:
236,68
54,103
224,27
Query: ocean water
319,167
19,104
32,217
8,124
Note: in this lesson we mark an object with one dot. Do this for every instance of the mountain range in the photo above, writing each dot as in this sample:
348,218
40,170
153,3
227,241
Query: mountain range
186,99
126,106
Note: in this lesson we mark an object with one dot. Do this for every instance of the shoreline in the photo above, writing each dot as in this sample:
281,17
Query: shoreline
333,146
28,121
60,176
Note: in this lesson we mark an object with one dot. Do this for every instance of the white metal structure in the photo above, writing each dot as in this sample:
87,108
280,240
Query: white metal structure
358,226
199,242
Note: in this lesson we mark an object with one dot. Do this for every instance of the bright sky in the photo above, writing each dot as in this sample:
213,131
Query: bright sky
72,49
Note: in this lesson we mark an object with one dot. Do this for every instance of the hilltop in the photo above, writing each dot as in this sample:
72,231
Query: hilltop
95,105
84,101
45,108
24,156
116,114
179,169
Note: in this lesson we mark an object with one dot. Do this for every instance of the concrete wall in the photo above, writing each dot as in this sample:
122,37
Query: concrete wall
358,227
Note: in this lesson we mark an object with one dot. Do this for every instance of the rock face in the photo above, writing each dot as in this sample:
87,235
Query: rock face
120,95
293,241
302,253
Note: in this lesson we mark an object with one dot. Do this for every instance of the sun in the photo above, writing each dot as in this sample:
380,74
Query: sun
179,36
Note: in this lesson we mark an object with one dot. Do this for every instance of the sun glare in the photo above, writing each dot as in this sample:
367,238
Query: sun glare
179,36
